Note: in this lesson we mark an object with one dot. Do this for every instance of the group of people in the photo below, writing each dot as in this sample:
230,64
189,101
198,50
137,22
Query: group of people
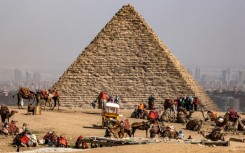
188,102
104,98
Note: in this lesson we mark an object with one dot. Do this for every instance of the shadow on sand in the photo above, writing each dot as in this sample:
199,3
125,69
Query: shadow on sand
93,127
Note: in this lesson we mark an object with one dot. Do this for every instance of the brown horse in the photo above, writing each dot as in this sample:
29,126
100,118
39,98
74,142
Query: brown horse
141,126
24,93
120,128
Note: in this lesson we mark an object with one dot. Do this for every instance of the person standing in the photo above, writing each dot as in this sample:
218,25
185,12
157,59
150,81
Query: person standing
102,100
195,102
151,101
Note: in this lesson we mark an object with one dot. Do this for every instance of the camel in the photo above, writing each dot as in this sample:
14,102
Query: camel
9,128
181,117
194,125
50,138
6,114
228,122
241,126
170,104
210,115
80,144
170,132
215,135
157,128
24,93
48,97
140,126
165,117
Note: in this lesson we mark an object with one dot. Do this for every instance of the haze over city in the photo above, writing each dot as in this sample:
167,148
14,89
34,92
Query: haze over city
47,36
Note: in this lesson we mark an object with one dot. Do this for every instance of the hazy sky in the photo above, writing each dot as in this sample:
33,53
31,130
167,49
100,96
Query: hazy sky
48,35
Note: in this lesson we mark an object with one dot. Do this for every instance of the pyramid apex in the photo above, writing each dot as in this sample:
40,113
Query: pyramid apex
127,8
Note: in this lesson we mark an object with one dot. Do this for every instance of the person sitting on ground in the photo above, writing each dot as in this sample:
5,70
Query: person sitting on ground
189,138
181,135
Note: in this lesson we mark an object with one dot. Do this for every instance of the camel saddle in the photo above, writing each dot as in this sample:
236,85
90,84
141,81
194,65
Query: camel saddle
25,91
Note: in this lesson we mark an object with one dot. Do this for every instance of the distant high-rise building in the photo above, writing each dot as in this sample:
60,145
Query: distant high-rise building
241,77
197,74
28,76
203,80
226,76
36,77
17,76
190,71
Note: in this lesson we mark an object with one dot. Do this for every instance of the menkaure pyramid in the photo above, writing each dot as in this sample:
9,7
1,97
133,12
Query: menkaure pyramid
127,59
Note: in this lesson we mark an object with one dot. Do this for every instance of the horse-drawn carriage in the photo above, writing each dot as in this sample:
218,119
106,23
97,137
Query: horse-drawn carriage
110,113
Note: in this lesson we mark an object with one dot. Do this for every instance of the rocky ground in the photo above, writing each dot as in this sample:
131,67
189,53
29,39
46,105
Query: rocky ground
74,122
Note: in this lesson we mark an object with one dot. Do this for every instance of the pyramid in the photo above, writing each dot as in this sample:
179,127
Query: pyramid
127,59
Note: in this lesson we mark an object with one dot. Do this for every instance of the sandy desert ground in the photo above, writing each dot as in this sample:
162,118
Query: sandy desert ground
74,122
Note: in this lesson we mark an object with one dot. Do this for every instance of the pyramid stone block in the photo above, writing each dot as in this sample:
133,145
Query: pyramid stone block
127,59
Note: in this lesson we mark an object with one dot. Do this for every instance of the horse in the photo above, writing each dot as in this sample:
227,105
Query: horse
141,126
24,93
120,128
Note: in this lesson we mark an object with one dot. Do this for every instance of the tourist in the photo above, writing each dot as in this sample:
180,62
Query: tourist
140,110
181,135
117,100
195,102
102,100
151,100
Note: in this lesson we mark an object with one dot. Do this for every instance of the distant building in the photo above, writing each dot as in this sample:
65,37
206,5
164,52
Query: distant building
225,102
190,71
226,76
203,80
241,77
18,76
197,74
29,76
36,77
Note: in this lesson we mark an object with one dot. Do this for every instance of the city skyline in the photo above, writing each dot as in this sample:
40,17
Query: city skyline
47,36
